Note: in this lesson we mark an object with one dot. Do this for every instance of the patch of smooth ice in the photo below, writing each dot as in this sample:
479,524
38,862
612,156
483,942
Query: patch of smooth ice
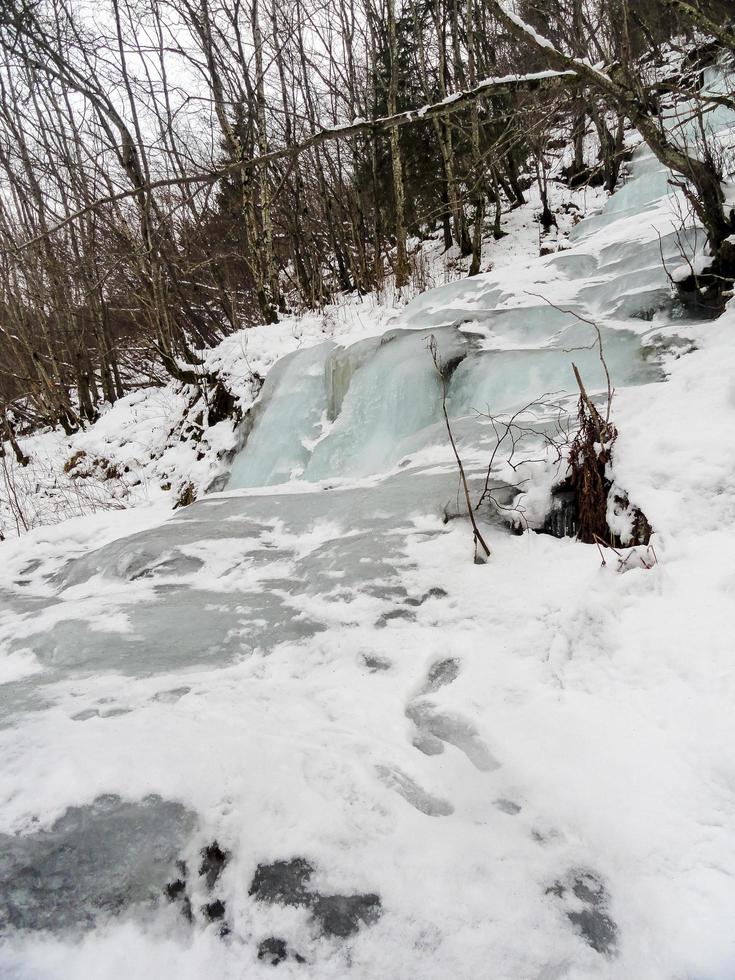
497,379
385,397
340,370
650,181
453,303
648,184
262,560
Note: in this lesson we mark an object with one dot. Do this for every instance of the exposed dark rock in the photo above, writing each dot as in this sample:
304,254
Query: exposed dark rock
374,664
341,915
283,882
275,951
213,911
563,519
175,890
187,496
222,405
213,861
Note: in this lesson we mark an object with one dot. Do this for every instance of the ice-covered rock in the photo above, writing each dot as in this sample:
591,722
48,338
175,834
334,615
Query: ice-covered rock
95,861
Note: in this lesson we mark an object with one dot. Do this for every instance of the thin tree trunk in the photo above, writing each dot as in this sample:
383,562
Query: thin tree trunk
401,270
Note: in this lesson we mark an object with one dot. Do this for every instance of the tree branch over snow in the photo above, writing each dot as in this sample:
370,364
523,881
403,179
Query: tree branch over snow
626,95
701,20
543,81
558,59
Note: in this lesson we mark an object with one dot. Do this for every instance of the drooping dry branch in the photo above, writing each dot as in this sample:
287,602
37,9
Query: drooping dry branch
441,371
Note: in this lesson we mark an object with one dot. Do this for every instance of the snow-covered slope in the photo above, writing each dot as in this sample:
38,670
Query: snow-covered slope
412,765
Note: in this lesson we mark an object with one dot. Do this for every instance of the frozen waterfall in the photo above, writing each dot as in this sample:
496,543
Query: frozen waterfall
329,412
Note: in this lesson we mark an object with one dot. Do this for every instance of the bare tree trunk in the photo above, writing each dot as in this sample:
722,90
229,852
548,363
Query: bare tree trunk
270,275
401,270
479,220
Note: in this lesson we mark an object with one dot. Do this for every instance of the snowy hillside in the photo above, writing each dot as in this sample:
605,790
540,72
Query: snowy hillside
295,725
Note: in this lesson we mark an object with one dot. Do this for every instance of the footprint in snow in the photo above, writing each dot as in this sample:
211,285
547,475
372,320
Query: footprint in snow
411,601
440,674
88,713
172,695
434,593
409,789
585,900
392,614
375,664
435,726
509,807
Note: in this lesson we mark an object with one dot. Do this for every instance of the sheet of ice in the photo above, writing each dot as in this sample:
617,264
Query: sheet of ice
361,409
95,862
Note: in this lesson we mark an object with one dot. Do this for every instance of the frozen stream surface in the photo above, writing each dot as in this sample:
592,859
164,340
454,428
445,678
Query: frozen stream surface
295,726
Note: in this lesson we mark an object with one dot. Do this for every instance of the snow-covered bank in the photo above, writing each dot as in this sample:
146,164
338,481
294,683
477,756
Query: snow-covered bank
414,765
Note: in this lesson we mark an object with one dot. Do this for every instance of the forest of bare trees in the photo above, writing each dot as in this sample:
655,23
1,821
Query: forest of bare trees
174,170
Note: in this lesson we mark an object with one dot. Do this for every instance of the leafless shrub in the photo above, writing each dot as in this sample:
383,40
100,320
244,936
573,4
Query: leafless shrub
544,421
39,494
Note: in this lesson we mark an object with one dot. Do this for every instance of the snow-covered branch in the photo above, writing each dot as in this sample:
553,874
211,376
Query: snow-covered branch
540,81
561,61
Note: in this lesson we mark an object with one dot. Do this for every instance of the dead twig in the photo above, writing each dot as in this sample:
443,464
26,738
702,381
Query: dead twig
441,370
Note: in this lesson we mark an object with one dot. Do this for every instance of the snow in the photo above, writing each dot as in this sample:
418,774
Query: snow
538,39
513,756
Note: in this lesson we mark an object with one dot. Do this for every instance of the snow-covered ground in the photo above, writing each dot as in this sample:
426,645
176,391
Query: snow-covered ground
414,765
